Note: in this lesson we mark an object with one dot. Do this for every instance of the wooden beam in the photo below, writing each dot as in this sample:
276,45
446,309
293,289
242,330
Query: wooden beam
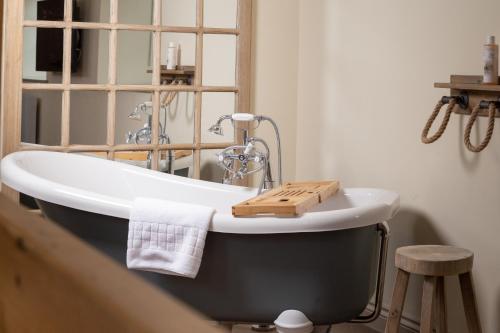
125,87
128,27
198,82
53,282
122,147
243,71
12,62
244,56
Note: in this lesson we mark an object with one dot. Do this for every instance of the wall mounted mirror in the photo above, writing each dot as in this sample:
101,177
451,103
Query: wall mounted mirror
104,101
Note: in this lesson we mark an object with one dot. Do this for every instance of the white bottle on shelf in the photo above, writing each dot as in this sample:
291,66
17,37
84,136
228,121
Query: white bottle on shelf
490,58
172,55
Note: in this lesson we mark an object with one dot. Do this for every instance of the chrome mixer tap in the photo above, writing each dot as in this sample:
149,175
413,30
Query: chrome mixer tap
240,161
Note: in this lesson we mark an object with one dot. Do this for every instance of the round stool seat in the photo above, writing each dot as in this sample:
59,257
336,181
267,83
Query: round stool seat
434,260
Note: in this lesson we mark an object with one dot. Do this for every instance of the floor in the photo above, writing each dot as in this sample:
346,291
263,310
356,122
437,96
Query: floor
341,328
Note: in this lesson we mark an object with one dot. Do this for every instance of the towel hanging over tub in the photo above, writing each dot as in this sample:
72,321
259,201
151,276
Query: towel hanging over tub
167,237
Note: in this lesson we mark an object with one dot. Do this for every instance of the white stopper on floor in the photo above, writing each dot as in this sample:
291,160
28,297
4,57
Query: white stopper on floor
293,321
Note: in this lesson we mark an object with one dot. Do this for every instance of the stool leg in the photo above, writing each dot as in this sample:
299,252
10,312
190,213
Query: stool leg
470,306
398,301
441,306
429,290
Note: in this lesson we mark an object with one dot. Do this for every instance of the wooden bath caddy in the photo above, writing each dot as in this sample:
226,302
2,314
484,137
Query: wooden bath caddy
291,199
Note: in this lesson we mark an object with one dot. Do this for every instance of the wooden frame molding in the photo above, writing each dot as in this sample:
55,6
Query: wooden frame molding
13,85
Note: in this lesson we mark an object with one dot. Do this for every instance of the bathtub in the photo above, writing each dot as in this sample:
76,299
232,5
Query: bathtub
324,263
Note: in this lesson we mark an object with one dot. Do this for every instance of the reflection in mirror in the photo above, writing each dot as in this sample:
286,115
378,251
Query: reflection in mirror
135,12
41,117
177,162
91,10
47,10
177,113
210,170
41,63
179,13
131,118
185,45
220,13
42,110
92,64
138,158
134,118
219,60
134,57
215,105
88,117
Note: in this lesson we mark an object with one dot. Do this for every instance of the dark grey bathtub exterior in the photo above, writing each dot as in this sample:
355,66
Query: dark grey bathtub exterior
329,276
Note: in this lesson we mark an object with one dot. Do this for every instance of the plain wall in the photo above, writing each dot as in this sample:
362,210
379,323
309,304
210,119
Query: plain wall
275,69
365,91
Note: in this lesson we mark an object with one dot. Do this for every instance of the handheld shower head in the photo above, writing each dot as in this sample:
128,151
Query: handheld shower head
139,110
217,127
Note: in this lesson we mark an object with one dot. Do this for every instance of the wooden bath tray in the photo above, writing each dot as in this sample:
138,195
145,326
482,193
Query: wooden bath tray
291,199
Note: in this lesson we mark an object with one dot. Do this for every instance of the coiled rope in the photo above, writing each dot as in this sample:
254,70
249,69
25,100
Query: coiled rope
489,132
425,132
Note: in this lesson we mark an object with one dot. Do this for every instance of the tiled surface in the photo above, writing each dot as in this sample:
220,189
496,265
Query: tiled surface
341,328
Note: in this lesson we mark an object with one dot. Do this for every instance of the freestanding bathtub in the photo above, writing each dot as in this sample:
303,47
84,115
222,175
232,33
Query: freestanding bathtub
323,263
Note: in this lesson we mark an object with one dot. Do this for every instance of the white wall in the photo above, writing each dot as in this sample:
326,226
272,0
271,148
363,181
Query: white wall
274,81
365,90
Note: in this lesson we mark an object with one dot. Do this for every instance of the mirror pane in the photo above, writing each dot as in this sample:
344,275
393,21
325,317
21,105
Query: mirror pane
42,64
219,60
131,117
220,13
134,57
93,58
177,113
88,117
91,10
184,47
215,105
41,117
135,12
210,170
179,13
178,162
138,158
46,10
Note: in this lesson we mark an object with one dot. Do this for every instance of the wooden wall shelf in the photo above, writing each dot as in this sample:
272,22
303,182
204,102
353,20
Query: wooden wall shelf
185,73
468,86
468,83
476,90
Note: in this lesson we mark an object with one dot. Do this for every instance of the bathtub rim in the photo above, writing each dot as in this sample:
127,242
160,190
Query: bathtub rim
34,185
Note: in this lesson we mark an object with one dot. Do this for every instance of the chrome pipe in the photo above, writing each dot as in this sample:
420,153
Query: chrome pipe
384,230
278,144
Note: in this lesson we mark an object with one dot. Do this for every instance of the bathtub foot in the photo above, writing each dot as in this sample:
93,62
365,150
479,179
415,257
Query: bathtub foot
262,328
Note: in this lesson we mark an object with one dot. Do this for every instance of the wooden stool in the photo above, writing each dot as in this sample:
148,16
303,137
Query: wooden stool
434,262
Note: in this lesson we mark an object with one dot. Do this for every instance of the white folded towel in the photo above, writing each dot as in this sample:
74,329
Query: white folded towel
167,237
